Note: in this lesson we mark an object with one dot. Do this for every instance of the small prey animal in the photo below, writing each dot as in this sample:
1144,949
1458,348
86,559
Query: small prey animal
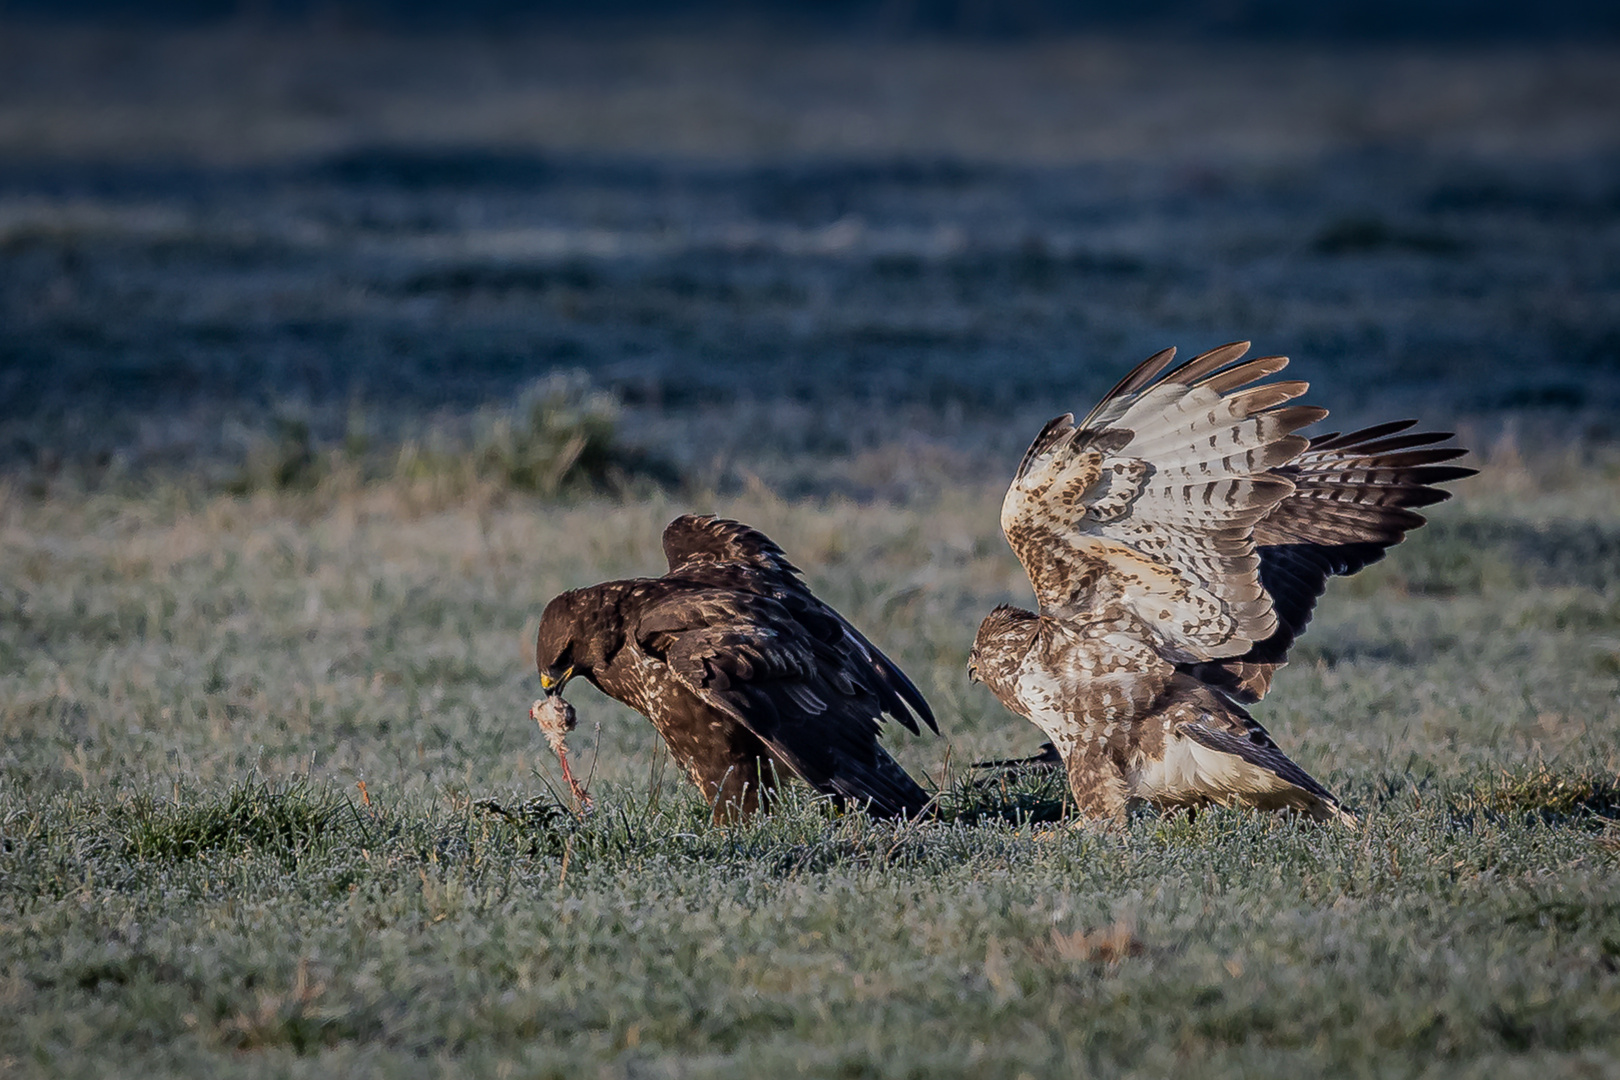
556,718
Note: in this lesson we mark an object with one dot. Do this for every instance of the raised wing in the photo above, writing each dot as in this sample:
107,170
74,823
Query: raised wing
1151,501
1354,498
747,656
726,554
696,542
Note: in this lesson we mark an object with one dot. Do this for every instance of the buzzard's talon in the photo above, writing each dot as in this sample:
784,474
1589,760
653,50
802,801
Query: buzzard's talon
556,719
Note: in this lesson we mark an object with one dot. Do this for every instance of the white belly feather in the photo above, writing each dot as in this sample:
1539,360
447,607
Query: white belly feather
1189,770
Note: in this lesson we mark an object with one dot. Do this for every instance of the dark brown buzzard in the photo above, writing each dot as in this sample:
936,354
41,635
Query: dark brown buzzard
1177,540
742,670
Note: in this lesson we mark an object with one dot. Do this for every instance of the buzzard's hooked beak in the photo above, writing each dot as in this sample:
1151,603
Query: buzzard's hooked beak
553,684
973,671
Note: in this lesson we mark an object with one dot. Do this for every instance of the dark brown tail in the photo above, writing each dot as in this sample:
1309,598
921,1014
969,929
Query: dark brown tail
1047,758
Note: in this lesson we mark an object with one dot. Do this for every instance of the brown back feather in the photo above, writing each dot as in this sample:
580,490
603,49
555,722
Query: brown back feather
727,554
694,539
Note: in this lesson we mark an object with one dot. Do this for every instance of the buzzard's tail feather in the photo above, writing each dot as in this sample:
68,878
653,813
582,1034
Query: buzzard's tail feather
1257,749
1046,757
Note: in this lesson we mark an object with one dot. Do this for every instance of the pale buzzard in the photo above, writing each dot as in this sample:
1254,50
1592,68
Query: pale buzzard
742,671
1177,539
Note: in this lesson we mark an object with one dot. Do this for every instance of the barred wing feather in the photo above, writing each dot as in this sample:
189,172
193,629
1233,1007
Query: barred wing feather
1354,497
1151,502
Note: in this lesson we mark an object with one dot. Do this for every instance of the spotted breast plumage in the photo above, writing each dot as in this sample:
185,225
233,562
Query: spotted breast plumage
743,671
1177,540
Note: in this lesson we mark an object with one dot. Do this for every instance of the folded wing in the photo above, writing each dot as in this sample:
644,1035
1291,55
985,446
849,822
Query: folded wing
816,707
730,555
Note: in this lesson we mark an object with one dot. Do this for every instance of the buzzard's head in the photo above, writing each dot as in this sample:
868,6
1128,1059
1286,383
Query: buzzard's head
999,647
578,631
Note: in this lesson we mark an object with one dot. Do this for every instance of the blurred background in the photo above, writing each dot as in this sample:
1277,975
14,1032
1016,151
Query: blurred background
847,248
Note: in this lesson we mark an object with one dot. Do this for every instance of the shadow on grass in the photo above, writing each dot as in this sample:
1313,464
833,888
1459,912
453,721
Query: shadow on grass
1588,800
1017,794
803,833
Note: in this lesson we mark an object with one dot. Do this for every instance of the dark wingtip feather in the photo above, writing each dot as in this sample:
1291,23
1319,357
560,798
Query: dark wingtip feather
1206,363
1247,372
1294,417
1443,474
1355,496
908,693
882,788
1333,440
1134,380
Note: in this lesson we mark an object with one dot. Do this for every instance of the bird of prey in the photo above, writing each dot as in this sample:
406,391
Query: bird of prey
1177,539
742,670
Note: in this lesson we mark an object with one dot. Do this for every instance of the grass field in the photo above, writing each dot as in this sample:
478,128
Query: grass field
191,879
281,499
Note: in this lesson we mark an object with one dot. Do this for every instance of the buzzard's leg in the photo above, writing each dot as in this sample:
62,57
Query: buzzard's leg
1093,825
727,762
1101,794
737,794
1172,811
575,788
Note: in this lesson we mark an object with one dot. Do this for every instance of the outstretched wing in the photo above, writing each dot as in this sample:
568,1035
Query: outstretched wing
816,707
1151,501
725,554
1354,498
